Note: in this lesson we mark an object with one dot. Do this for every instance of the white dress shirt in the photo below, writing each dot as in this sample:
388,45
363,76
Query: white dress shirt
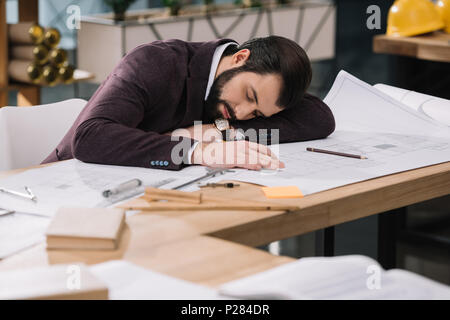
214,64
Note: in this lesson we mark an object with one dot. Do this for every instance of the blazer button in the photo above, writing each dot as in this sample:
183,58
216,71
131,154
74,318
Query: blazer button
166,163
152,163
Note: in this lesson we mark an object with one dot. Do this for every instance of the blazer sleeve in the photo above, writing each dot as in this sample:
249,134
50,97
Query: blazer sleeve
311,120
108,134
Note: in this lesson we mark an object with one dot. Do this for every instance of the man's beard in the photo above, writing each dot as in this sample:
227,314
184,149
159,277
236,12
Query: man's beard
212,110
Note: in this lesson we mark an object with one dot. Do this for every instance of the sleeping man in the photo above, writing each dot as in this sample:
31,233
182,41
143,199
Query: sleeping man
168,104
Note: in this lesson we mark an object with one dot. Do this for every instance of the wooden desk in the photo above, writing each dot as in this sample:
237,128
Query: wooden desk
433,46
211,248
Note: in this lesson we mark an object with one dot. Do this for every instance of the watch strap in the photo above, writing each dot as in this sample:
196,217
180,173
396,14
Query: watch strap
225,135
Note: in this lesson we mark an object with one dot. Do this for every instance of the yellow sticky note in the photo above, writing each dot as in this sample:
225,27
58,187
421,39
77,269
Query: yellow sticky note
282,192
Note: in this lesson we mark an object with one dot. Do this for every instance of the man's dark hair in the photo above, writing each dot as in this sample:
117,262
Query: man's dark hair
281,56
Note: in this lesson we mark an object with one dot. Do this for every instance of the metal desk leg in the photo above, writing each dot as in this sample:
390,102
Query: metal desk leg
328,242
387,237
324,242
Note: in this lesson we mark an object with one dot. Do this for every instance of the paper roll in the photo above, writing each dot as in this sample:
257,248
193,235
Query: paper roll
18,70
57,57
66,73
22,52
50,75
21,33
52,36
37,53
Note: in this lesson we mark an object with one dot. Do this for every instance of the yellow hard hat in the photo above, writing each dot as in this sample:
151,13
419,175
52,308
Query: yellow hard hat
443,7
412,17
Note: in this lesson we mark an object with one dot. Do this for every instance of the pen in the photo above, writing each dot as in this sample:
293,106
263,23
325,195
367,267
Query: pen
29,195
342,154
225,185
129,185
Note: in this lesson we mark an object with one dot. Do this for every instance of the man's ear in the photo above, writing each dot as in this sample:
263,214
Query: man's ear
240,57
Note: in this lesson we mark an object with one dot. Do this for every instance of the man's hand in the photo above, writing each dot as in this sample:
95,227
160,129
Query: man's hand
230,154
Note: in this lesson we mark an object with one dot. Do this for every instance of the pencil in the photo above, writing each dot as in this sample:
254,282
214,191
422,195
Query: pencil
342,154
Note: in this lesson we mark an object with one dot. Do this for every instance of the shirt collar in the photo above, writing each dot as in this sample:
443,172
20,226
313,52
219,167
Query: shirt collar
215,63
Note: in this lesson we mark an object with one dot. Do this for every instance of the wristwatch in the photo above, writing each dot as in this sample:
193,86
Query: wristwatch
222,125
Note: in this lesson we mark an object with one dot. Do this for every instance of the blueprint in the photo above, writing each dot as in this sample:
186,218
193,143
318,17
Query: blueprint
313,172
77,184
19,231
394,137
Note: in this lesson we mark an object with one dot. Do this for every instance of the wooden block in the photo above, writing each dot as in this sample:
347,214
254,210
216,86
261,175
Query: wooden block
173,206
85,229
153,194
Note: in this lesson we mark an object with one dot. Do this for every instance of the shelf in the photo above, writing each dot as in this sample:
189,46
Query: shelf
28,94
78,75
434,46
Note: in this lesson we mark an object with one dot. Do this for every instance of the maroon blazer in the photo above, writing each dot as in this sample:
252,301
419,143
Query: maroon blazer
158,87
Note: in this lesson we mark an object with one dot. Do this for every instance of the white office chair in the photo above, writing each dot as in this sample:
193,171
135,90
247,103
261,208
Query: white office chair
29,134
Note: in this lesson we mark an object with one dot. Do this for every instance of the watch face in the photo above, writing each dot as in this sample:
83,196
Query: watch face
222,124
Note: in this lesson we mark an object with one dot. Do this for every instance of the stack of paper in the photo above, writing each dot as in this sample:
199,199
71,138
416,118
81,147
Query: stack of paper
52,282
358,106
344,277
128,281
